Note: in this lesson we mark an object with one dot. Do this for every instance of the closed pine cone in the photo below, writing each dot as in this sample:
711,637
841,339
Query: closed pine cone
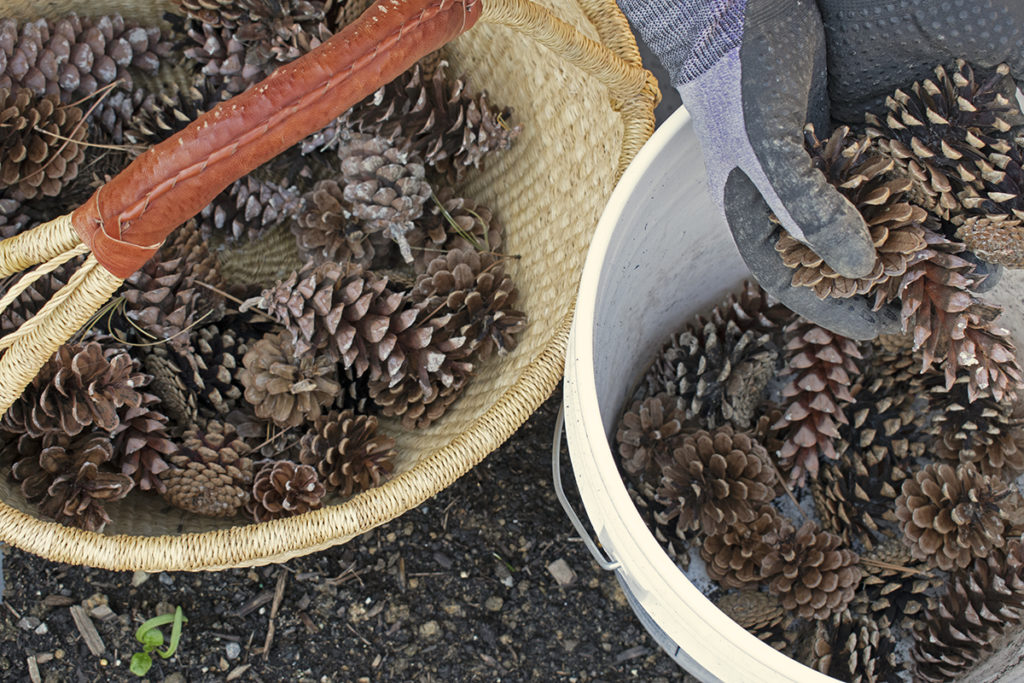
348,451
821,365
996,239
978,605
97,51
648,433
211,474
716,480
70,478
282,488
810,570
41,144
284,387
473,287
895,225
984,431
949,516
761,614
80,386
734,557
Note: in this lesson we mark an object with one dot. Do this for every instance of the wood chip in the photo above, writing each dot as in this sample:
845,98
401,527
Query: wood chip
258,601
88,630
54,600
308,623
282,580
33,670
237,672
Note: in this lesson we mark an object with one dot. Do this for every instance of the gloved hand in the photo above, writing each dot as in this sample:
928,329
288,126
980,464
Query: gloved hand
753,72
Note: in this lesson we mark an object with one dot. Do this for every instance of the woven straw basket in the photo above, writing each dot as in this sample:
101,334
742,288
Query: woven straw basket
571,71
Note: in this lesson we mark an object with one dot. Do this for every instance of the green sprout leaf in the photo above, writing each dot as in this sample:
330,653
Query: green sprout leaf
152,624
140,664
179,619
152,639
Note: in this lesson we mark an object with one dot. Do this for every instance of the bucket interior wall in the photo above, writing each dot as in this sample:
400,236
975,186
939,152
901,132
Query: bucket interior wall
661,255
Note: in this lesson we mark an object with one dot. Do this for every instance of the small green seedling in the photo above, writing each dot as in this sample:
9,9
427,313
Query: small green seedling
152,638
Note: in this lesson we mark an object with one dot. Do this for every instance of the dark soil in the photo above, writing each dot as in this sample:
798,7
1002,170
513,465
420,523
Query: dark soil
456,590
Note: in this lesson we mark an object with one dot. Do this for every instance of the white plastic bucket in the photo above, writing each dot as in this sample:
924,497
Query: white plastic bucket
662,253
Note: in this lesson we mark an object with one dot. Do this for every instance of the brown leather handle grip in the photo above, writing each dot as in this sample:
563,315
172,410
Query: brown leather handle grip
127,219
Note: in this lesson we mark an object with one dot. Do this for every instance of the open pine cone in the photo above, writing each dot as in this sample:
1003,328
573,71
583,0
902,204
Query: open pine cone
734,557
283,489
211,474
286,388
141,444
648,433
810,570
716,480
348,452
760,613
69,478
950,516
895,225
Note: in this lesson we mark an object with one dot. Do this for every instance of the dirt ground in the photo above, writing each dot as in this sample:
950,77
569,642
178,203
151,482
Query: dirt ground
458,589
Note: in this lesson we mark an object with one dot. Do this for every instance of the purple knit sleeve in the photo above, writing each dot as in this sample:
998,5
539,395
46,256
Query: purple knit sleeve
688,36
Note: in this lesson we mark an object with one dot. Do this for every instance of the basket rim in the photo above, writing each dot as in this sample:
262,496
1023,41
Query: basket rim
335,524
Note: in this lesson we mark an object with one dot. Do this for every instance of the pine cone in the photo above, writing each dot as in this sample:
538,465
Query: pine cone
41,144
327,231
69,477
978,605
385,185
165,298
474,289
949,323
761,614
168,384
809,570
455,222
995,239
81,386
286,388
448,125
949,516
284,489
648,433
866,179
211,474
343,313
348,452
75,56
248,208
734,557
716,480
985,432
241,44
821,365
160,112
13,219
893,596
853,647
954,136
719,372
141,444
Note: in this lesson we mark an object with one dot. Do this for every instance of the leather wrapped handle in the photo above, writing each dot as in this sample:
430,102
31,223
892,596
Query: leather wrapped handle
126,220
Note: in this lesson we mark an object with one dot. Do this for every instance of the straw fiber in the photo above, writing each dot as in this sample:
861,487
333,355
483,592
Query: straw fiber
585,110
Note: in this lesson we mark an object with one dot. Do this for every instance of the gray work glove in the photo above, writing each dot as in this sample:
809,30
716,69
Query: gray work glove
752,73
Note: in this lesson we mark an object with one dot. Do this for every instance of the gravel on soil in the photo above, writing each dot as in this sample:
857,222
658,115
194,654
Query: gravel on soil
487,581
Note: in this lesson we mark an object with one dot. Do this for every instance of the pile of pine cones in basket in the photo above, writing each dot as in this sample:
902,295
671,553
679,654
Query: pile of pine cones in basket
243,368
848,496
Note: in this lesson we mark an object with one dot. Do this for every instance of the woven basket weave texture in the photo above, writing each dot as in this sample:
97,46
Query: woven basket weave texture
548,190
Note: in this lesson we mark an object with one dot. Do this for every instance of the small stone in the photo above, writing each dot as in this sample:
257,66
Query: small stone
42,629
58,653
430,629
166,579
233,650
28,623
102,612
453,609
164,607
140,577
223,664
95,600
175,677
504,575
443,560
563,573
494,603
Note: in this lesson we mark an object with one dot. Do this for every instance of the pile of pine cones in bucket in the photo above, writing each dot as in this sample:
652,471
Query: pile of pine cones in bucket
843,499
244,369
